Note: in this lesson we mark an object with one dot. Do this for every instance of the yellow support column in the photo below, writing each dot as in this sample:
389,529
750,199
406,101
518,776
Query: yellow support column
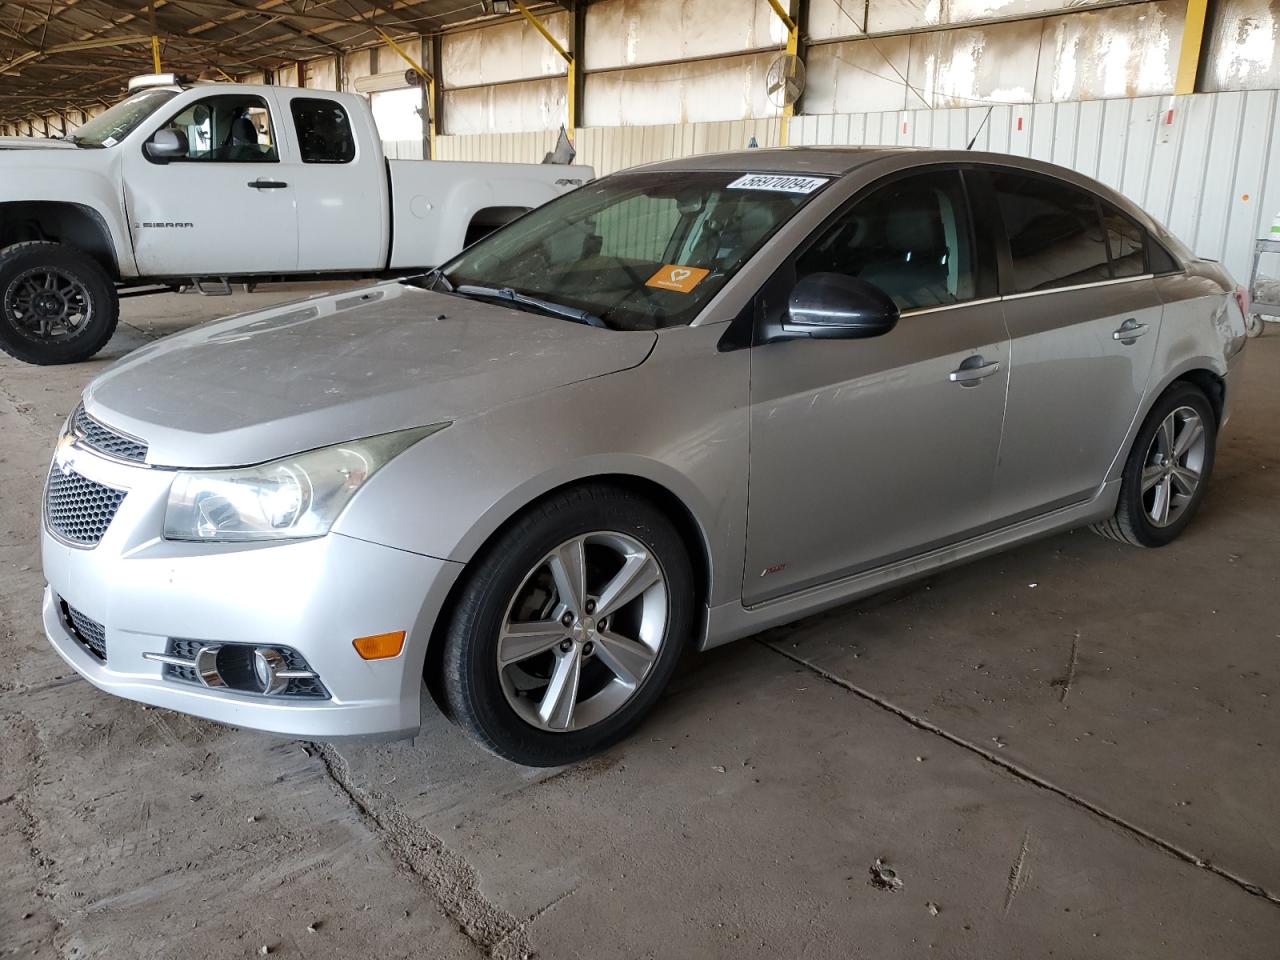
793,47
1192,38
155,39
570,64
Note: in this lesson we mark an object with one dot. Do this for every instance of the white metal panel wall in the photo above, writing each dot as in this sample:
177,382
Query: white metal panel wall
608,149
1244,51
322,74
829,19
507,51
1208,166
727,88
622,33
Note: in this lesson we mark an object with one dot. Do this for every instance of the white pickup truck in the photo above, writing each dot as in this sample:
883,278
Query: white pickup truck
211,183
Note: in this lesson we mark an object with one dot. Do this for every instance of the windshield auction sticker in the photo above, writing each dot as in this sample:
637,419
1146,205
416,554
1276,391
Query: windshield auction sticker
672,276
778,183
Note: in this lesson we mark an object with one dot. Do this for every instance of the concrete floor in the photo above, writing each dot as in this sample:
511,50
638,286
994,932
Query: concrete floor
1069,750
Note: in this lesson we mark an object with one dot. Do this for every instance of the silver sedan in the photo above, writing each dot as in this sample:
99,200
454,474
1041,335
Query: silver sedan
677,406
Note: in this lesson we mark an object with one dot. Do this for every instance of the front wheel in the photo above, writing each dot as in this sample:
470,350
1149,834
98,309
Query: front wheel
569,627
57,305
1167,471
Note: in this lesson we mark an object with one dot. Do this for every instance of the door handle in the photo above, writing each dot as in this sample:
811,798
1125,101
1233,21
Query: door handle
261,184
1129,331
973,370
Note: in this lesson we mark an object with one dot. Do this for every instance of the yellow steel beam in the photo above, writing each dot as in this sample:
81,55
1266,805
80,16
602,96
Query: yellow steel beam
1192,38
155,36
431,87
785,17
571,65
793,47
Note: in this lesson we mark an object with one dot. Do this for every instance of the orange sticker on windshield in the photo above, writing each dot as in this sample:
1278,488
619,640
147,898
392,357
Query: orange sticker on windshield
678,278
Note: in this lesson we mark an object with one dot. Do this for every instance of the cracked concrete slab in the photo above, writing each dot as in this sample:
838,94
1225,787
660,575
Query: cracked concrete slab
1051,746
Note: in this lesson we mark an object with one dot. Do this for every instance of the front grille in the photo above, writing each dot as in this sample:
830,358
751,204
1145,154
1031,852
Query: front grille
79,509
90,633
105,440
308,687
187,650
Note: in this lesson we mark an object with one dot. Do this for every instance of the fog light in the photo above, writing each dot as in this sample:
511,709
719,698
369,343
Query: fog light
267,667
380,646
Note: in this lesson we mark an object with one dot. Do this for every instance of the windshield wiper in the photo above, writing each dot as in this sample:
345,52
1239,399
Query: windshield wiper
435,277
546,306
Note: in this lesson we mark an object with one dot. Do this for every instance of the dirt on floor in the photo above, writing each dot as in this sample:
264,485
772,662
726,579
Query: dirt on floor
1068,750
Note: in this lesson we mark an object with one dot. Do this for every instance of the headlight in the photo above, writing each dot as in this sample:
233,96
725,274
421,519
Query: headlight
299,496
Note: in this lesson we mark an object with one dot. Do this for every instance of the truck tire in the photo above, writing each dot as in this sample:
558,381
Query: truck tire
57,305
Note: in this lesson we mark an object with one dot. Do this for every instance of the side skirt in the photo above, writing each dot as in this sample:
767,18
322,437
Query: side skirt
732,621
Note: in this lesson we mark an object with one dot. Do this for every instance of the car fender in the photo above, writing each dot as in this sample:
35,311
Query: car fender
658,423
1203,362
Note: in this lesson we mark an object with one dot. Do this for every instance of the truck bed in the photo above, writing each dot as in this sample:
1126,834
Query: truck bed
439,205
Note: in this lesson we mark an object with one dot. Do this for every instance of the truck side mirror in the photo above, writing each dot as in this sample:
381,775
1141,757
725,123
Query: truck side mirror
165,145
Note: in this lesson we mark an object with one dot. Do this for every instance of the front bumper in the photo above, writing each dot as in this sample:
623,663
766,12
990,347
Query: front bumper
314,596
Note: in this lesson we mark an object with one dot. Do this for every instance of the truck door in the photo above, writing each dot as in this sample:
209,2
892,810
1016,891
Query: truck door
221,207
335,162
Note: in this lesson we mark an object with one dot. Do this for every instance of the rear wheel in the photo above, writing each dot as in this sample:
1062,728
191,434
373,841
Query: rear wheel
1168,468
57,305
569,628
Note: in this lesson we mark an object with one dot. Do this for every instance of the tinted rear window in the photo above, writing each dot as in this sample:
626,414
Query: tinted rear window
324,131
1055,233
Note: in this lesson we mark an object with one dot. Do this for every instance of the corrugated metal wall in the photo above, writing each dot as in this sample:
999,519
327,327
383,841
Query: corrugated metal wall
1208,165
608,149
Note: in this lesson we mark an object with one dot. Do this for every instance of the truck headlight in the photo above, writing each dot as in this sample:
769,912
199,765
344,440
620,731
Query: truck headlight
293,498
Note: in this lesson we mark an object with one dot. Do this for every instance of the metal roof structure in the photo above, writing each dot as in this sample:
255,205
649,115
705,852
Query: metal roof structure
57,54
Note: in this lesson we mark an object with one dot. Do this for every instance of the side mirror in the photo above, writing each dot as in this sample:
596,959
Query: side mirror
836,307
165,145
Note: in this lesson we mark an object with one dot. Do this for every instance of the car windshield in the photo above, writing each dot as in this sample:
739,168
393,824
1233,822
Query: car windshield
113,125
634,251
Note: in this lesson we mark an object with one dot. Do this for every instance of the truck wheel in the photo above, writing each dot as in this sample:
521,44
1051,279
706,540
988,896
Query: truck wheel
57,305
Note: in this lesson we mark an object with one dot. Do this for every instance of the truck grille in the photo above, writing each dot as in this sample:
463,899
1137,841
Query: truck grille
90,633
78,509
105,440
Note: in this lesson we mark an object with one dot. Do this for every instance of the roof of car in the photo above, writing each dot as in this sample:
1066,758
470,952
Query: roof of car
828,160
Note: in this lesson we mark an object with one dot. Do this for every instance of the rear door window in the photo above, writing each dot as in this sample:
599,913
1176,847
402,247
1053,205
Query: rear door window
324,130
1055,232
1127,242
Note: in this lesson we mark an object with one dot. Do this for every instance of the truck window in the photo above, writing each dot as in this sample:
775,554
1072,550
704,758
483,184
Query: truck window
324,131
230,128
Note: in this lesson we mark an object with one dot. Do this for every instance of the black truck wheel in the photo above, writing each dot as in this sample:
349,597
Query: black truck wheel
57,305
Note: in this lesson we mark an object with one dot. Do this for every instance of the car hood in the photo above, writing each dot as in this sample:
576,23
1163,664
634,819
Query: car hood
35,143
338,367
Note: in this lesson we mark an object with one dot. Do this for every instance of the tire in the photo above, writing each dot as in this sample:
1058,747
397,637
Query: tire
1139,519
57,305
622,663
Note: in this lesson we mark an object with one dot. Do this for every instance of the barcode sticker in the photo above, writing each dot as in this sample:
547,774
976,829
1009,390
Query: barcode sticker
779,183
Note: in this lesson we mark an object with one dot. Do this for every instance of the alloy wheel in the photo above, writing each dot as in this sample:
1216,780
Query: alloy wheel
1173,467
48,302
583,631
